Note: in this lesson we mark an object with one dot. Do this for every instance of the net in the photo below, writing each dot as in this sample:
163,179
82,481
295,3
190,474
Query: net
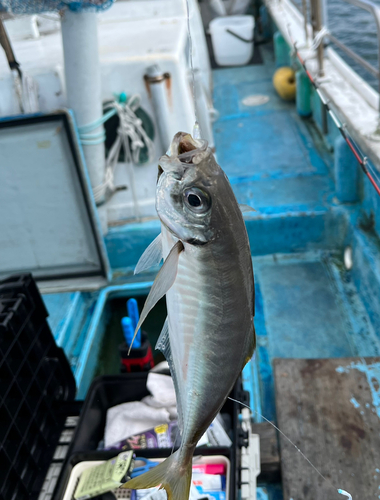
38,6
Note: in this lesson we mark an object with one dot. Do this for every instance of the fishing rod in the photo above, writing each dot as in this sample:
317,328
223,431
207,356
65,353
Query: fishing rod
362,159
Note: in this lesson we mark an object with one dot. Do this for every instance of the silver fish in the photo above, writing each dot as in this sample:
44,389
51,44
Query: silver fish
207,277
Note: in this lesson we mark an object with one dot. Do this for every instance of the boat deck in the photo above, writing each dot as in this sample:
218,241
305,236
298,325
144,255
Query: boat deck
307,304
275,160
326,408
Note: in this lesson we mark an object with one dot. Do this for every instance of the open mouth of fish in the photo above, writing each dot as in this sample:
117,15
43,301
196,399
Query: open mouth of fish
185,149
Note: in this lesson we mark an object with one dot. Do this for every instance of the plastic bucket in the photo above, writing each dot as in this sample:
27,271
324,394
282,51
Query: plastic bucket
232,39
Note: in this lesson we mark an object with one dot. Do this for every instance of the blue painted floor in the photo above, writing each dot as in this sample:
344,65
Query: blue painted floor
306,305
268,151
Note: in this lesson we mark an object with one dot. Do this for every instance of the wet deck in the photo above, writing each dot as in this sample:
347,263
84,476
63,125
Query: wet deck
329,408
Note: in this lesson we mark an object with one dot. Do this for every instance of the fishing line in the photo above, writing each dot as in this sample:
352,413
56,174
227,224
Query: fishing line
196,129
339,490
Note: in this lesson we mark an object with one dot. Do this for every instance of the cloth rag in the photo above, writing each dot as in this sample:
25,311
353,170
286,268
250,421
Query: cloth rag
128,419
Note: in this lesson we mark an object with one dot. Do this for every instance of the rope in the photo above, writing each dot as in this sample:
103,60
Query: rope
318,39
131,136
87,138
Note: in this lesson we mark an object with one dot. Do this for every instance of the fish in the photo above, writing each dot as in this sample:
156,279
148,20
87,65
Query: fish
207,277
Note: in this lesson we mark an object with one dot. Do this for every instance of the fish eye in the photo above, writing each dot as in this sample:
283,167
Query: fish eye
197,200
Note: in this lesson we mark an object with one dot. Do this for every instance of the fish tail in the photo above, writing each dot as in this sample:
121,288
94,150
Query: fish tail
174,475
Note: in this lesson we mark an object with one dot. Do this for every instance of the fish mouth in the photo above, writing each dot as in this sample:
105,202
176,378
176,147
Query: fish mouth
184,150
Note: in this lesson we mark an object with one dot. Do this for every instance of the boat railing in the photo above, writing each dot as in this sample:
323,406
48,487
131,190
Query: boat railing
320,32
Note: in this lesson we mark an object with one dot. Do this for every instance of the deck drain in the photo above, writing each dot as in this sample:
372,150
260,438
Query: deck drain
255,100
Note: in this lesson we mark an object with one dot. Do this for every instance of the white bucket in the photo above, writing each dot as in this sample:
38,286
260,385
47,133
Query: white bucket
232,39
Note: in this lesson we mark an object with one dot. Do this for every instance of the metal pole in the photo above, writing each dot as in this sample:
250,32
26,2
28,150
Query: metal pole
83,87
304,10
159,87
318,27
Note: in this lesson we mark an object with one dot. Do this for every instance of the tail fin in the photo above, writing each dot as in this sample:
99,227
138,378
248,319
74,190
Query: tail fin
172,474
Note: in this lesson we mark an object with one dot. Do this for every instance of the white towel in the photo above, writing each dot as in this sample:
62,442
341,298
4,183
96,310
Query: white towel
128,419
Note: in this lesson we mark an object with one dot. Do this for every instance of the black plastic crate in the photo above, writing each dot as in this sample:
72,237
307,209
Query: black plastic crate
36,382
108,391
37,390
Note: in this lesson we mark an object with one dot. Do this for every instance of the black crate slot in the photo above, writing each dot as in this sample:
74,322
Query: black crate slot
12,443
5,424
39,446
13,399
6,335
21,461
35,355
5,465
15,358
33,395
20,316
14,488
6,379
49,426
23,419
25,376
31,436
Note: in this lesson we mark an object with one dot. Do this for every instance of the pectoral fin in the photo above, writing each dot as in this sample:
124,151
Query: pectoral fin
151,257
246,208
163,282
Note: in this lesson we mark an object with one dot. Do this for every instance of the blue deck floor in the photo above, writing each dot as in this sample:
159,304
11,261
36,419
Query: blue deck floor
268,151
306,305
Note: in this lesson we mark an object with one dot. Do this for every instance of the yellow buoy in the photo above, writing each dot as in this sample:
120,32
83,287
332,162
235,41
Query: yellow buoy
284,81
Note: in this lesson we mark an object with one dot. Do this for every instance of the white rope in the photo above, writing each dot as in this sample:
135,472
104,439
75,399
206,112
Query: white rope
132,137
319,37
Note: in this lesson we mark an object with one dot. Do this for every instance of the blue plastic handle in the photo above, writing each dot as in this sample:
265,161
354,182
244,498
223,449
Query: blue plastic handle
128,329
133,313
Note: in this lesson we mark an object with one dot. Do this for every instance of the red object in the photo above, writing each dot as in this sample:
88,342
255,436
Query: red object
218,469
139,364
